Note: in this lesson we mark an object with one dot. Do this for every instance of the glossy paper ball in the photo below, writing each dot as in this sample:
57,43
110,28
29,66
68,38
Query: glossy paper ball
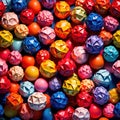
81,113
59,49
26,88
101,95
117,110
47,114
47,35
15,118
65,114
88,5
84,99
115,68
2,8
14,87
115,8
9,20
42,55
106,37
48,68
27,16
4,53
4,85
41,85
87,85
94,44
18,5
95,111
21,31
16,73
102,6
110,23
55,84
108,110
15,58
102,78
61,9
6,39
31,45
48,4
17,45
63,29
45,18
37,101
79,34
71,86
59,100
66,67
27,60
3,67
85,71
115,38
114,96
78,14
94,22
34,29
31,73
96,62
79,55
35,6
110,53
14,100
103,118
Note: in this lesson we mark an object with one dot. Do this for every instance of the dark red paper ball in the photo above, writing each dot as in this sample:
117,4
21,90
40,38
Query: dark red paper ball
27,16
79,34
66,67
2,8
115,8
84,99
64,114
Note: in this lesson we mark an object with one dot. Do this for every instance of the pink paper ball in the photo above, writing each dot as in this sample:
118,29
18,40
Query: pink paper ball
41,85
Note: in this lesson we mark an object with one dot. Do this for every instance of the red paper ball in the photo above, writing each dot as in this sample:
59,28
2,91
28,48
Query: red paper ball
115,8
42,55
14,87
4,84
66,67
64,114
84,99
27,16
79,34
95,111
2,8
4,53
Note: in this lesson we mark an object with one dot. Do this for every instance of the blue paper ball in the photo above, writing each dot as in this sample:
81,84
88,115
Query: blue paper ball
101,95
17,45
102,78
1,110
47,114
94,44
94,22
18,5
15,118
59,100
31,45
117,110
110,53
26,88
